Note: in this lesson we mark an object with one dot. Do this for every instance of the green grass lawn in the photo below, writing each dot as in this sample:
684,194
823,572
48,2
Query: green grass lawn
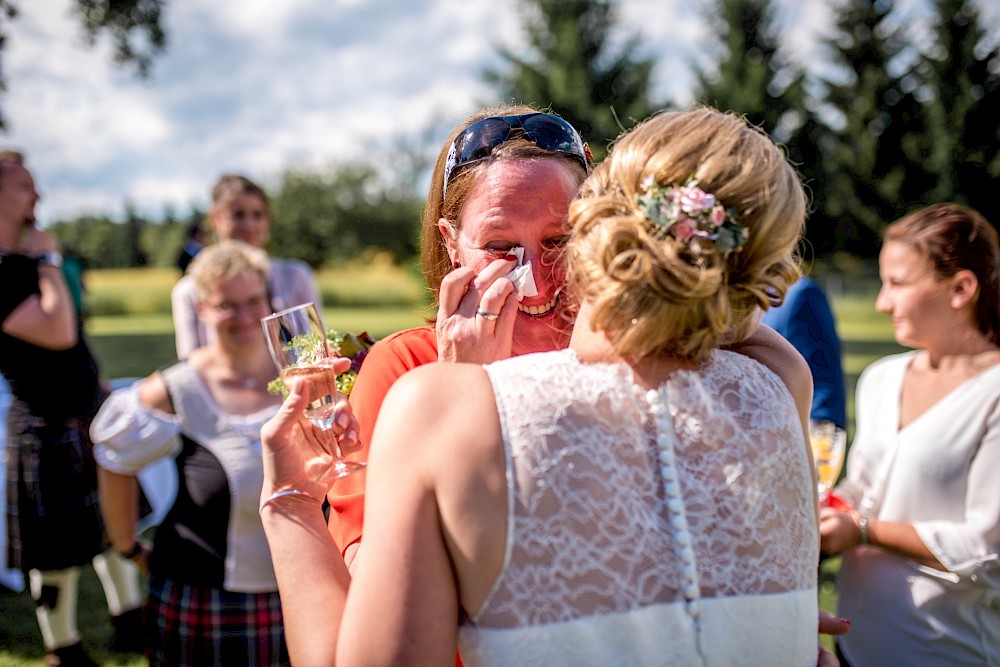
136,345
133,336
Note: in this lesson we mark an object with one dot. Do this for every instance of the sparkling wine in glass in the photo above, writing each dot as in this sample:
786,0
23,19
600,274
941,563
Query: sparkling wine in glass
298,344
828,445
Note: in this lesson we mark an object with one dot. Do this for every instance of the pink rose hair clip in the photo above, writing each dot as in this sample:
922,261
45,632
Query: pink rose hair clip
691,215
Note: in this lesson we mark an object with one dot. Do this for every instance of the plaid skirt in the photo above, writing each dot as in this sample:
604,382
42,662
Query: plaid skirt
195,626
53,513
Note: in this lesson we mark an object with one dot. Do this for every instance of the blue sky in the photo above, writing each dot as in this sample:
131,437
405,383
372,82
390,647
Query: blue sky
257,86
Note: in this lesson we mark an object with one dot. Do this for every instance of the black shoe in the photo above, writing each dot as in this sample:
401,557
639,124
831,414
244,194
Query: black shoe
127,632
69,656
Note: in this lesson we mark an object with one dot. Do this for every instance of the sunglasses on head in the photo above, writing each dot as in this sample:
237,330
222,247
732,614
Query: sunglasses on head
546,131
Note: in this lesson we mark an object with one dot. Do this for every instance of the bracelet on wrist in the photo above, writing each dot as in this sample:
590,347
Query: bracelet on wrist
282,494
863,527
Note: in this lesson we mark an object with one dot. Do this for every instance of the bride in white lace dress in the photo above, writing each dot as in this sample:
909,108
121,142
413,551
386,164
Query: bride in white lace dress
644,497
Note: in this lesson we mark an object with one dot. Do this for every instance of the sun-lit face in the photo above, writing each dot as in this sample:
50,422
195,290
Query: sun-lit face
17,194
243,218
233,309
915,297
518,203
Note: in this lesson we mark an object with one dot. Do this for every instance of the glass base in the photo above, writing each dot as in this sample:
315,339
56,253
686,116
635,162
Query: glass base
345,468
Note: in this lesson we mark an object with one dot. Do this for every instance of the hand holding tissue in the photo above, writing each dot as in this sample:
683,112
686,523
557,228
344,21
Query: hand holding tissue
522,276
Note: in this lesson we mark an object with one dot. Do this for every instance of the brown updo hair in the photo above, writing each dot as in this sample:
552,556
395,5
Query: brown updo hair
956,238
651,294
434,257
230,186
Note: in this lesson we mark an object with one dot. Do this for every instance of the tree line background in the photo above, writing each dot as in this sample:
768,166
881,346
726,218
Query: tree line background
897,117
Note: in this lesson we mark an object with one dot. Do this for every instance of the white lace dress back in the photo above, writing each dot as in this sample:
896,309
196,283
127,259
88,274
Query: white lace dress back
675,526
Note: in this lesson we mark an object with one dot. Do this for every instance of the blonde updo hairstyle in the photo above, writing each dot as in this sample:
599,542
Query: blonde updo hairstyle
225,260
652,294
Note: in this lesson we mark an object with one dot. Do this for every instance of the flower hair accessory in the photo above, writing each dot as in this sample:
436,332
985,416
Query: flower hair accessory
688,213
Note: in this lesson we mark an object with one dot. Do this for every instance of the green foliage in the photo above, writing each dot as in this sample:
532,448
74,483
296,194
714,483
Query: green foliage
98,239
891,121
751,78
964,86
890,124
880,154
571,68
334,216
756,79
134,27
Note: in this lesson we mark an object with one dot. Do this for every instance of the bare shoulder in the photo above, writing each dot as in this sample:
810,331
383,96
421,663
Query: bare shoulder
445,407
153,393
444,390
769,348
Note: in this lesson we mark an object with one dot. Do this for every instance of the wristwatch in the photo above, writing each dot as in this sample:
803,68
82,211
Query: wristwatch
863,526
50,258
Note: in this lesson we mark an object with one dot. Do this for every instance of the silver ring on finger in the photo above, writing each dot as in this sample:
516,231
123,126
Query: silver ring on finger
486,315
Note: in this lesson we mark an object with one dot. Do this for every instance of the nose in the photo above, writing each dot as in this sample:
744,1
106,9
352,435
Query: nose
542,267
882,301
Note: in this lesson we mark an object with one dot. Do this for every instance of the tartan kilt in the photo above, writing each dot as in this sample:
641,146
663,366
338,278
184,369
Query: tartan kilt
198,625
53,512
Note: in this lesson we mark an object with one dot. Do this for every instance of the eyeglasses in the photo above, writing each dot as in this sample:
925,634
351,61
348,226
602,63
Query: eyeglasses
229,309
546,131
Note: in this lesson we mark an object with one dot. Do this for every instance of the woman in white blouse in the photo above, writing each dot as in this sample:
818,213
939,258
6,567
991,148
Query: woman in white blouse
920,579
240,211
212,593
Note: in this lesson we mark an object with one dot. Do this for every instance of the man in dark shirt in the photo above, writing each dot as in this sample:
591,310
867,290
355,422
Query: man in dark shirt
53,514
807,322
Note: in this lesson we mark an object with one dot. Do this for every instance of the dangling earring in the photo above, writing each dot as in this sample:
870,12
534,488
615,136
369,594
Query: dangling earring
455,265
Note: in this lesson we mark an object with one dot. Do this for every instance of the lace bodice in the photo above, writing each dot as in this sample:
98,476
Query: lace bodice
623,501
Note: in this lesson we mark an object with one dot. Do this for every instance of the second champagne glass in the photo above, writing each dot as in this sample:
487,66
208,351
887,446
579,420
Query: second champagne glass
828,445
298,344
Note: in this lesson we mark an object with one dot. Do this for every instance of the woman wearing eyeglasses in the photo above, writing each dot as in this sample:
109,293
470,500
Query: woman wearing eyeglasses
240,211
213,598
643,497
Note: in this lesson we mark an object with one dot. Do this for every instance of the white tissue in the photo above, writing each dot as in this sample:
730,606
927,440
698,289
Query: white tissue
522,275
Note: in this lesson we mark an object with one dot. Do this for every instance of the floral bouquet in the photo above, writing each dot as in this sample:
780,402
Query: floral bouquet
344,344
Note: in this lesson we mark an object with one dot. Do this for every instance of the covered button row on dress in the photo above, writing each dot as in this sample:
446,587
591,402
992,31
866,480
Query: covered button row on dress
675,503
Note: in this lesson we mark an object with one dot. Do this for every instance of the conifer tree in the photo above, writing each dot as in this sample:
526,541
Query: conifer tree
571,68
754,78
964,85
880,155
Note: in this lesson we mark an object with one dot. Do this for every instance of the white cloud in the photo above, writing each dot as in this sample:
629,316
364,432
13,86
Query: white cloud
259,85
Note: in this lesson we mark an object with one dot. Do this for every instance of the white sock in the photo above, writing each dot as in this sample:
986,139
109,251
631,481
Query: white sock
120,580
58,622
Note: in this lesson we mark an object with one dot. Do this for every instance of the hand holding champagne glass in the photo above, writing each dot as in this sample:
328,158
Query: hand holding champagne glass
828,445
300,349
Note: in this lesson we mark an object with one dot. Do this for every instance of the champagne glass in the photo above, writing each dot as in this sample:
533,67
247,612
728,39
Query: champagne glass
828,445
298,344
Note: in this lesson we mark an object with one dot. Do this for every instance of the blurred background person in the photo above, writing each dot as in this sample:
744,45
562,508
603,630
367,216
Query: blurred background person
54,523
807,322
74,270
194,240
212,593
920,576
240,210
